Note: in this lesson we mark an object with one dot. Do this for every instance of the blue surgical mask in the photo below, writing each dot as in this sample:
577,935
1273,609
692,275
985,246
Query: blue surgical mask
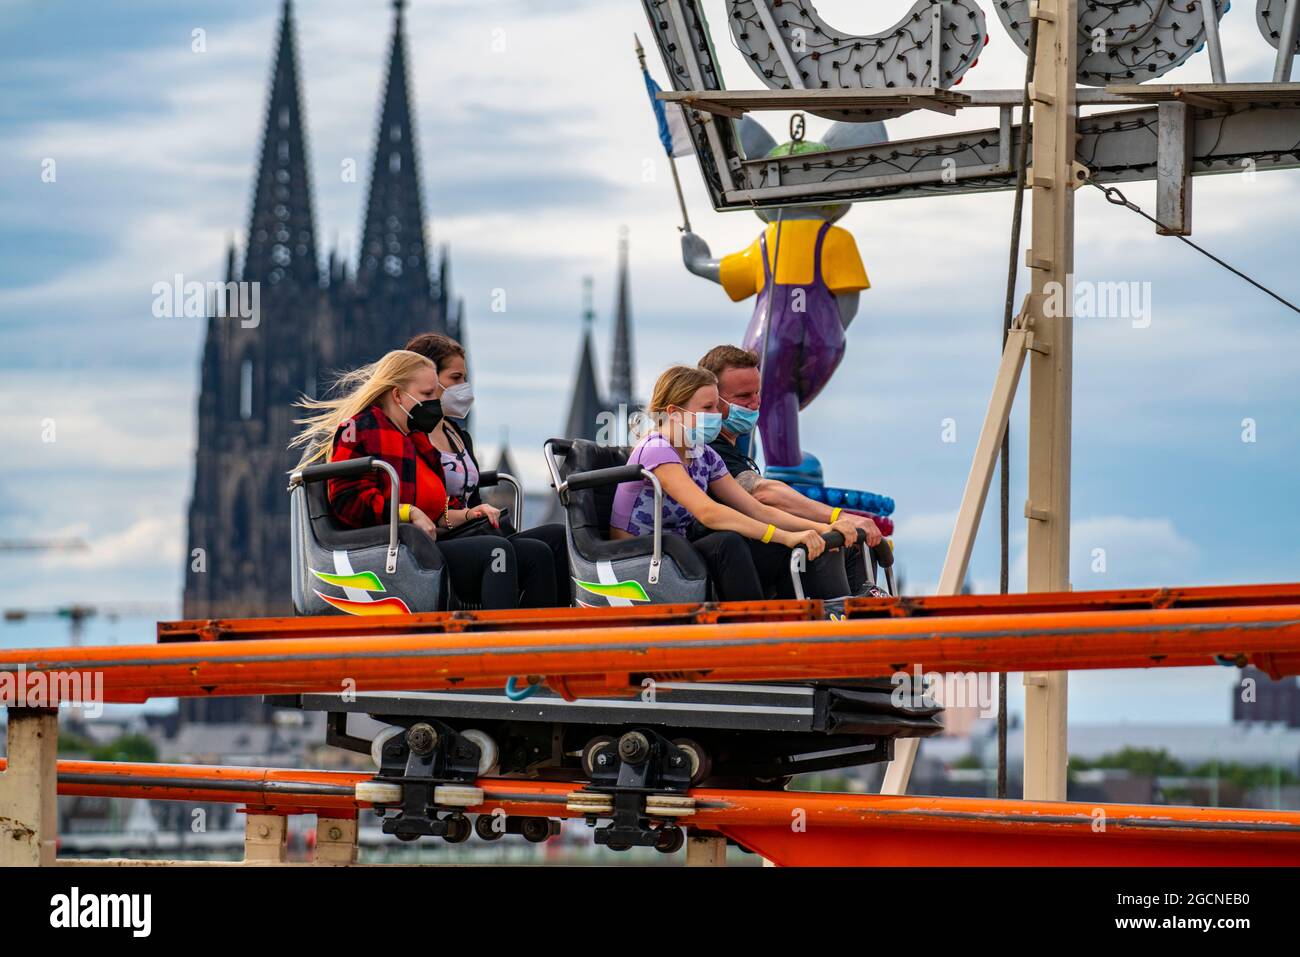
707,427
740,420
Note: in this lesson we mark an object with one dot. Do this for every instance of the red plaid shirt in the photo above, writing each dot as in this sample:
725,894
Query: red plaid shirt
362,502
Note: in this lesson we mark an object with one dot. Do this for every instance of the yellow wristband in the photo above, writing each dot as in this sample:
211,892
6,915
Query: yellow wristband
767,535
835,513
404,513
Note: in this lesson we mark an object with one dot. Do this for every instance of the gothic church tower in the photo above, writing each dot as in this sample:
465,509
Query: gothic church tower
313,322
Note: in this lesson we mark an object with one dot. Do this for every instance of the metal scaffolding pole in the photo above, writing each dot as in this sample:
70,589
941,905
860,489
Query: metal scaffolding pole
1054,175
842,829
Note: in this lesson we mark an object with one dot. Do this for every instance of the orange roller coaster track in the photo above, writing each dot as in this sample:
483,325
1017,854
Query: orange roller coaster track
606,659
712,613
602,651
790,827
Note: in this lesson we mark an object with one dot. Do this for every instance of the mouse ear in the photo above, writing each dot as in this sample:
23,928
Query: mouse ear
844,135
756,141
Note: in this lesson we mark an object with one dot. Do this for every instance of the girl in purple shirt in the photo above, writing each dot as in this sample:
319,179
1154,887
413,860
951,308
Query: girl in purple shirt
744,543
634,502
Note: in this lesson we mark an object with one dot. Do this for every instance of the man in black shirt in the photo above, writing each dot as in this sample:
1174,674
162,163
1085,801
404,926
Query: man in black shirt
738,463
738,386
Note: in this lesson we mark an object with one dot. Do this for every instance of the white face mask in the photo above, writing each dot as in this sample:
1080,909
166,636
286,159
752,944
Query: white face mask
457,399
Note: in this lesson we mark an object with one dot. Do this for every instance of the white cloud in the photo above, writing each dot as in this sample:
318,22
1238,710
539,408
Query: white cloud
151,541
1134,551
501,135
926,528
127,420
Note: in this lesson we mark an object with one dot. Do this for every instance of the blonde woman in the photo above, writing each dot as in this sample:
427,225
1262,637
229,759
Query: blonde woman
387,409
744,543
460,468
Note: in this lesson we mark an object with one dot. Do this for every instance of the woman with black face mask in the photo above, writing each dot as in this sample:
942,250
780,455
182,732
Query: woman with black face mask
460,469
387,410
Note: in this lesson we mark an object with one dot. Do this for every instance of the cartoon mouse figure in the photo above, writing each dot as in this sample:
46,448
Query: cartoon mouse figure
812,297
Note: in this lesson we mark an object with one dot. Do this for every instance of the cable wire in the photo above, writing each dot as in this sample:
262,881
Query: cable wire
1004,469
1115,197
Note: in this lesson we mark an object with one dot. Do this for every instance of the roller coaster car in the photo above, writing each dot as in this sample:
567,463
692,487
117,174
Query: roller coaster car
633,757
381,570
657,568
661,740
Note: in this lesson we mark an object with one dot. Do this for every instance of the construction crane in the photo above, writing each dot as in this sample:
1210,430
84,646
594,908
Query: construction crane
75,613
43,545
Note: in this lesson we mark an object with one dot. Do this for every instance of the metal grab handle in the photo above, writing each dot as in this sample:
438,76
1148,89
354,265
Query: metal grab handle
394,504
491,477
351,467
550,448
519,498
881,556
657,558
795,562
833,539
347,468
613,475
609,476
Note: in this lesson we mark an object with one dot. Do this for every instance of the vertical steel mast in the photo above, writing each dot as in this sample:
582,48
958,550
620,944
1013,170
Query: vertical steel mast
1053,176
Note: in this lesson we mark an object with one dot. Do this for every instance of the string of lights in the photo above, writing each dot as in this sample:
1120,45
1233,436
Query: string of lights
981,148
673,50
1268,17
1115,146
827,58
1125,40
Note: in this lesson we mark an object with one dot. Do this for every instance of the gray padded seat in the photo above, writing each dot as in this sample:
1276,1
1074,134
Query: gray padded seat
597,559
589,510
331,533
336,569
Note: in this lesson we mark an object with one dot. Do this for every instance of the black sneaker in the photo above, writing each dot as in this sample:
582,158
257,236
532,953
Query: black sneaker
871,591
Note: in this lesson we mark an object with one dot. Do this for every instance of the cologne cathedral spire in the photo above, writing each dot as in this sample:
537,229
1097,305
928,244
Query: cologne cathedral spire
394,262
622,383
281,232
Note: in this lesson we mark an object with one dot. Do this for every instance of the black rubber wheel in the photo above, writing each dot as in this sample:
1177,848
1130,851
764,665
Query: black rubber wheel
484,828
701,763
670,840
458,829
535,829
619,847
589,751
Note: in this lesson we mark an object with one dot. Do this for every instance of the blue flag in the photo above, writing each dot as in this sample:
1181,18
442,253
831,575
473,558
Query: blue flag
672,124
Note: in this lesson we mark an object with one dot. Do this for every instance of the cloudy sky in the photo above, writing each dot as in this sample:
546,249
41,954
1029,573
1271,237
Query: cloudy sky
536,139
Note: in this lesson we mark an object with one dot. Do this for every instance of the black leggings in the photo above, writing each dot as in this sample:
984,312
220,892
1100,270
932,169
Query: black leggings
743,569
855,565
494,572
553,536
